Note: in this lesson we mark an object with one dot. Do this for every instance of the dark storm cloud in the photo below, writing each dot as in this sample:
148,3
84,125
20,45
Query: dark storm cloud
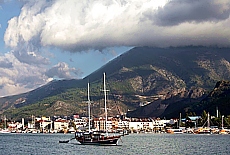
179,11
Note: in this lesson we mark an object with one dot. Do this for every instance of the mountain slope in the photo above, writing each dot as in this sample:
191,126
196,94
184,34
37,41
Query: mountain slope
218,97
158,79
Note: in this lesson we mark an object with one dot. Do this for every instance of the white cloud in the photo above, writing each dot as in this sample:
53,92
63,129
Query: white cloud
15,75
62,70
18,77
82,25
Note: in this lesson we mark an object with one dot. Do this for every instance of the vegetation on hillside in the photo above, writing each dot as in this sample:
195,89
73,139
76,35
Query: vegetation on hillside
166,80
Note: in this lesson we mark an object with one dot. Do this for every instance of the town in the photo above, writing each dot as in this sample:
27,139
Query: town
119,124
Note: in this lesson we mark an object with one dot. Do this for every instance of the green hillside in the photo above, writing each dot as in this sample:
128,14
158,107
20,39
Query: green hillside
163,81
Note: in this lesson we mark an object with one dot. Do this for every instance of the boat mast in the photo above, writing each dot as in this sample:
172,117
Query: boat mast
180,121
88,106
106,119
208,125
5,122
222,121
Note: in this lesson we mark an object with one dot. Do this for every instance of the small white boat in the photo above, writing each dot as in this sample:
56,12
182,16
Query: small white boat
175,131
5,131
223,131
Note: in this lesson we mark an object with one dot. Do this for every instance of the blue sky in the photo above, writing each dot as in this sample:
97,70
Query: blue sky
41,40
6,13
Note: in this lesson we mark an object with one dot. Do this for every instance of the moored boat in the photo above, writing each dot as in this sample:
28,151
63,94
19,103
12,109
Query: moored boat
174,131
5,131
203,131
93,138
97,138
223,131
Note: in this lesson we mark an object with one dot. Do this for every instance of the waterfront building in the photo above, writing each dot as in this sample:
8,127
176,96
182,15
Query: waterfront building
79,123
61,124
15,126
112,124
123,124
147,125
139,125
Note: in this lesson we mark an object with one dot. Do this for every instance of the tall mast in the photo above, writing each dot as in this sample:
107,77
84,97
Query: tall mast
208,125
105,107
89,106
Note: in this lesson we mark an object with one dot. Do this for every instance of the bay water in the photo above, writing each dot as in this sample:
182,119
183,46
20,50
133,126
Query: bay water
133,144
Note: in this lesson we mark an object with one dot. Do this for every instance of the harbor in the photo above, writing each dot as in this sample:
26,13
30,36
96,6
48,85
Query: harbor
76,123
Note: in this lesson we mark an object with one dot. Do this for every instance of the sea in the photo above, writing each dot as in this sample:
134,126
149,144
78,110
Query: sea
133,144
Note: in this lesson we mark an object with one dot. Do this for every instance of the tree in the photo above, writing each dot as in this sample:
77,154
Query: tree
204,115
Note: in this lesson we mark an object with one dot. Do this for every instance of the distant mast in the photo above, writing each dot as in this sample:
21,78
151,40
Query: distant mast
180,121
5,124
222,120
23,123
208,121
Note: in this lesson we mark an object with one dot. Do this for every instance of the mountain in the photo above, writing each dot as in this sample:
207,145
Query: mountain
143,82
219,98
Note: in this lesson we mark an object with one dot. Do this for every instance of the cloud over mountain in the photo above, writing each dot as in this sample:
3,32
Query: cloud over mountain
82,25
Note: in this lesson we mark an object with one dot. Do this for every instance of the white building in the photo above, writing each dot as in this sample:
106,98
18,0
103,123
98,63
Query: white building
61,124
147,124
123,124
79,123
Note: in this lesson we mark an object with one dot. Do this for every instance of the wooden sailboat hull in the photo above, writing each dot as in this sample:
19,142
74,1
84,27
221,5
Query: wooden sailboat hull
113,141
96,139
100,142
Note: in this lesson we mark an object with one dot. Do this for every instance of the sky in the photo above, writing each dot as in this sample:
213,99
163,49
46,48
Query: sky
42,40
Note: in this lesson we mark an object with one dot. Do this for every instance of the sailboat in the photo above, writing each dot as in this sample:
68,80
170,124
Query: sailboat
93,137
5,130
223,131
204,130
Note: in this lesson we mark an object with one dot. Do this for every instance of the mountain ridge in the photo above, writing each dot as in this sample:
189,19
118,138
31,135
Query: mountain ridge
154,77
